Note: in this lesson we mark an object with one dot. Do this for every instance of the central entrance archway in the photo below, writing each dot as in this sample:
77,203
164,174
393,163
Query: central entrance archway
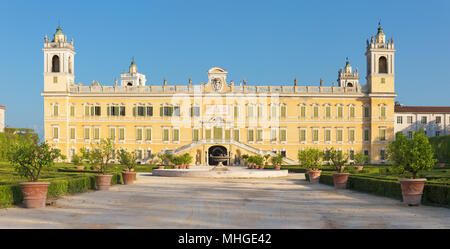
216,150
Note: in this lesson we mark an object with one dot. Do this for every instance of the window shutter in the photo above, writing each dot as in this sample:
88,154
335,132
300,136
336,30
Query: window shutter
134,111
108,110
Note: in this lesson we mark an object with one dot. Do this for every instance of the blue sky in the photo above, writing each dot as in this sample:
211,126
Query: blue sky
267,42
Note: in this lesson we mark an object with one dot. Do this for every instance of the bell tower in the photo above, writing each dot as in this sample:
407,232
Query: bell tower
380,63
59,58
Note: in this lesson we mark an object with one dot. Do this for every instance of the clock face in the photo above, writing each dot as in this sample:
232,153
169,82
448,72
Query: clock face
216,84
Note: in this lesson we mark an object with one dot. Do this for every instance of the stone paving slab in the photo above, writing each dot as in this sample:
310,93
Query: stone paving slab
174,202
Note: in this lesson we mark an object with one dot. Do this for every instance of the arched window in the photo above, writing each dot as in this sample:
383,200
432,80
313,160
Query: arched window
55,64
382,65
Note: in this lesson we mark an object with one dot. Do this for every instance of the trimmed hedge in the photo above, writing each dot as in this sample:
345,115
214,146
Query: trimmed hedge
12,194
441,147
433,194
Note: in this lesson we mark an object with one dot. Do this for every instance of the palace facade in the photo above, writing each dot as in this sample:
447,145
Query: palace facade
220,116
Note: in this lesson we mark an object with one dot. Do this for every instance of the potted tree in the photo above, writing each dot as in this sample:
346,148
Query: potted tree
78,162
276,161
244,158
259,161
187,159
104,153
338,160
29,159
177,161
360,159
412,155
266,159
311,159
128,159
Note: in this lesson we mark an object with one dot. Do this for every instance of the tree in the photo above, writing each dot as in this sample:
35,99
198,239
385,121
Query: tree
77,160
311,158
360,158
277,160
337,158
412,155
128,159
29,158
101,154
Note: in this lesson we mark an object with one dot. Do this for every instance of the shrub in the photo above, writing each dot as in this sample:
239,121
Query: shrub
360,158
441,148
413,154
277,160
310,158
337,158
127,158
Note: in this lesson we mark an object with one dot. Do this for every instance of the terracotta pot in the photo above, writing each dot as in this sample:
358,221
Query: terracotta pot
340,180
249,166
79,167
103,181
358,168
97,167
160,167
34,193
277,167
314,176
441,165
128,177
188,166
261,167
176,166
412,190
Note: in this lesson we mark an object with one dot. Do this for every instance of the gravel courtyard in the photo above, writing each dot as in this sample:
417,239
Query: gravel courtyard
172,202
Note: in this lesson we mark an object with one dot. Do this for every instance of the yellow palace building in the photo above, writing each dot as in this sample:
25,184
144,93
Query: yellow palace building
220,116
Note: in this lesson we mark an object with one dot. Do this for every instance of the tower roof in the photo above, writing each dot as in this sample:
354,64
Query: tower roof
133,67
58,31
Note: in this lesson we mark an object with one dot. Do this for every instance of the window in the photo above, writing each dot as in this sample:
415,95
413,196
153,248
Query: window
351,154
409,119
382,65
438,120
176,135
122,111
227,134
283,135
316,111
236,135
423,120
217,133
399,119
366,112
96,133
112,133
166,135
340,111
55,110
72,133
86,132
382,134
438,133
55,132
382,154
383,80
328,111
259,135
148,134
86,110
303,111
72,110
195,134
339,135
149,111
410,134
315,135
235,111
97,111
166,111
283,111
208,134
176,111
352,111
383,111
260,112
273,111
302,135
249,111
273,135
366,135
55,79
139,134
122,134
139,154
195,111
327,135
250,135
55,64
351,135
112,111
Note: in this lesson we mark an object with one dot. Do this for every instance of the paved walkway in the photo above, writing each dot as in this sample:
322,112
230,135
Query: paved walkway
163,202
